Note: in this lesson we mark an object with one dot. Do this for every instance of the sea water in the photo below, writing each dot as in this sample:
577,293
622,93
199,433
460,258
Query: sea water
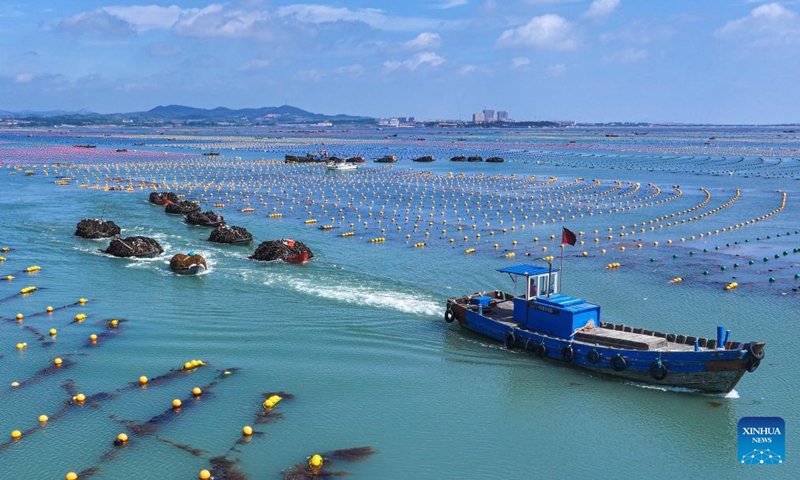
357,336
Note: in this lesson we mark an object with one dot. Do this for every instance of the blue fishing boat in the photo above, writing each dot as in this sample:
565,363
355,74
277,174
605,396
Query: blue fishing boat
569,330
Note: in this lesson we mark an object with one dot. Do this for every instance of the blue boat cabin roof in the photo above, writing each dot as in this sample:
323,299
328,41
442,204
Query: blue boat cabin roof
526,269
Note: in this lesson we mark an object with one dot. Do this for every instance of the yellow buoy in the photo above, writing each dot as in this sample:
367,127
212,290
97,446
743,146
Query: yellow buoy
247,430
204,475
80,398
49,309
142,380
57,362
20,317
315,461
72,476
196,391
272,401
80,317
122,437
14,384
82,301
43,418
16,434
93,338
22,346
176,403
53,332
113,323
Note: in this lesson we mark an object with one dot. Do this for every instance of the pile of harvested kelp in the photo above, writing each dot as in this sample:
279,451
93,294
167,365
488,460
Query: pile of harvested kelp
161,198
94,228
226,234
475,158
495,160
204,219
182,207
283,249
134,247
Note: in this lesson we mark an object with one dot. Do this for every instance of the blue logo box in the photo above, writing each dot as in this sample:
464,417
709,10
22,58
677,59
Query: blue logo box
762,441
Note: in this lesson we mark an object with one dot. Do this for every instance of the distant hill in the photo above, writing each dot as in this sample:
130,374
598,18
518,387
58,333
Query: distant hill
184,115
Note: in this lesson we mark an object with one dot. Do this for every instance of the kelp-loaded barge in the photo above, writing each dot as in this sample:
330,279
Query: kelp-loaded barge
569,330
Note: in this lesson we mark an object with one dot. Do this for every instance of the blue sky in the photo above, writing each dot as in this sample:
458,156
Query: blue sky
728,61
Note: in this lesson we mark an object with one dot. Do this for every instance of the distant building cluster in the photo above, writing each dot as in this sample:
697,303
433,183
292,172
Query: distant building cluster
488,116
396,121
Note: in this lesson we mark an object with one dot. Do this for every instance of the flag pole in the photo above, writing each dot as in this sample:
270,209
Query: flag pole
561,267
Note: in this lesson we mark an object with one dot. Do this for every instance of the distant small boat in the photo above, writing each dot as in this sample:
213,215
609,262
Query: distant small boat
458,158
211,154
386,159
424,158
355,159
341,165
190,264
495,160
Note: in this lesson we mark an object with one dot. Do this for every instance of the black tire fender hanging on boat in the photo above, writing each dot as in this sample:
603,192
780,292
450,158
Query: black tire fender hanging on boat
619,363
752,363
540,349
658,370
567,353
751,348
448,315
510,341
593,356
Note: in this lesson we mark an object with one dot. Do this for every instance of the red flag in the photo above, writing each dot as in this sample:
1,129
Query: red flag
567,236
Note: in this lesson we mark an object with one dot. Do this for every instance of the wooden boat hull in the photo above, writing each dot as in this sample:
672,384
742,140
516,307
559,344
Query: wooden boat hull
301,258
191,270
708,370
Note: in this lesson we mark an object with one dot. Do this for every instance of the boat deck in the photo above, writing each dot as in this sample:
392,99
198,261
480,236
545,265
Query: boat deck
503,312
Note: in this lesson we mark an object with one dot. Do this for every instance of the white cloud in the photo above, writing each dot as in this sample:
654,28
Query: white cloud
254,65
766,25
25,77
422,58
629,55
97,21
601,8
425,40
354,70
451,4
467,69
372,17
556,70
215,21
550,32
147,17
518,62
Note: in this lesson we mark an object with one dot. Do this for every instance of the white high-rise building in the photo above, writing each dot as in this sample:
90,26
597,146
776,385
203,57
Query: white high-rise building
502,116
478,117
488,115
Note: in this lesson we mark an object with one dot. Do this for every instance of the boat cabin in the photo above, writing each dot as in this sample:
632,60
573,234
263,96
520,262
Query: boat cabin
541,306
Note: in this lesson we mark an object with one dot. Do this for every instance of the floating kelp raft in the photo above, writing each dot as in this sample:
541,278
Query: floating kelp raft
183,207
190,264
230,235
163,198
205,219
139,247
95,228
286,249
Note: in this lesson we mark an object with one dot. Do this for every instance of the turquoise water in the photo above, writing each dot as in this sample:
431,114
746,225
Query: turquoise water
357,334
